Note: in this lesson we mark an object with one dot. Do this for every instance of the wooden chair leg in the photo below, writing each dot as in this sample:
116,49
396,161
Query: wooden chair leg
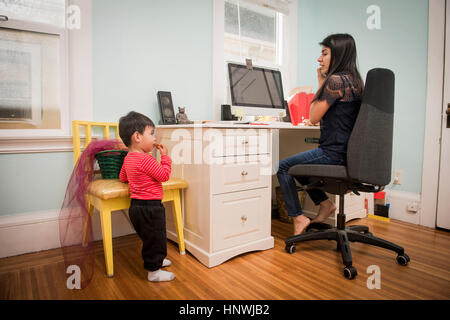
105,216
178,220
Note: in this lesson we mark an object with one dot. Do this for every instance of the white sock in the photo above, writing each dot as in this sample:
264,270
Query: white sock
166,263
160,275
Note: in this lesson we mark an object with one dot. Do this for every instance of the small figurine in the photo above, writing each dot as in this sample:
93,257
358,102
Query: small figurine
239,113
182,117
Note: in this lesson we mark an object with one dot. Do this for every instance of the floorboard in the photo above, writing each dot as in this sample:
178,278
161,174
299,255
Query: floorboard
314,271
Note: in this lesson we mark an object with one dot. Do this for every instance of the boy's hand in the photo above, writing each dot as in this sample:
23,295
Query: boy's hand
162,149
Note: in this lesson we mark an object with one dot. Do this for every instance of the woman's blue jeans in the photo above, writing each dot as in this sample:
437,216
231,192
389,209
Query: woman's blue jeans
287,183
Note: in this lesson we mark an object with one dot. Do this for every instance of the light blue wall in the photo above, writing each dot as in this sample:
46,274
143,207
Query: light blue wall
142,47
139,48
33,181
401,45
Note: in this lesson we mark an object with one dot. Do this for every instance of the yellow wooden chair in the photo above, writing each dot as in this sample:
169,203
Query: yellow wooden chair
108,195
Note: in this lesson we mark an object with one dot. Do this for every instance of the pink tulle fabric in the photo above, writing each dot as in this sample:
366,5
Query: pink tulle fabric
75,222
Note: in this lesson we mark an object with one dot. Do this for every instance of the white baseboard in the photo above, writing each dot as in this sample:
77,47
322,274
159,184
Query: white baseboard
399,206
37,231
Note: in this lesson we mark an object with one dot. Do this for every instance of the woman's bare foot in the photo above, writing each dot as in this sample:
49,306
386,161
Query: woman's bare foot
327,207
300,224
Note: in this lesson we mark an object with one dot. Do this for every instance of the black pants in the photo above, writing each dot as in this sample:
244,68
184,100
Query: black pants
149,220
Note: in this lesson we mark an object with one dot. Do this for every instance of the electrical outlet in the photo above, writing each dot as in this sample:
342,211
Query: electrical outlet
413,206
397,177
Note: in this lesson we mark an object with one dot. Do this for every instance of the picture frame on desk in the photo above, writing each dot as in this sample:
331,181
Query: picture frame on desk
166,107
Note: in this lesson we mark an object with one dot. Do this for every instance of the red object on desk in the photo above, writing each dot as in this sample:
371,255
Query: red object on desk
379,195
299,107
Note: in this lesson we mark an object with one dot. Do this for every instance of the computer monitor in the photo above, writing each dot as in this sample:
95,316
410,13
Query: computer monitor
259,91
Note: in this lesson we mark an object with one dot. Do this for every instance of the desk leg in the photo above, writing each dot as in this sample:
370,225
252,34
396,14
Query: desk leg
178,220
105,216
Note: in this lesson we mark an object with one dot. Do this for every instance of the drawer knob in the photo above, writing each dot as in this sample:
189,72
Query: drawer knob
244,173
244,218
245,142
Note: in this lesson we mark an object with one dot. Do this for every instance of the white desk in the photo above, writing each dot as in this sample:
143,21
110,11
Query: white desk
230,170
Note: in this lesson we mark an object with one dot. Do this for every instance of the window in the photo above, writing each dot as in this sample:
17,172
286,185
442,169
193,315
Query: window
286,12
50,12
252,31
33,68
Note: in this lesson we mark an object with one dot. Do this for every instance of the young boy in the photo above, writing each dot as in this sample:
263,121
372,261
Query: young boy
144,176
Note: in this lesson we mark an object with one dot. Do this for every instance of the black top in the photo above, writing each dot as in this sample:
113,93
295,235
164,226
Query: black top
337,123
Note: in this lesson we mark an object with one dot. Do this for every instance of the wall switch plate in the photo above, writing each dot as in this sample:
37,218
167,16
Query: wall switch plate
397,177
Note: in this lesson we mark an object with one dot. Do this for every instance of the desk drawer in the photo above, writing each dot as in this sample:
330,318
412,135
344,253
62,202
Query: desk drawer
241,142
240,173
217,142
240,217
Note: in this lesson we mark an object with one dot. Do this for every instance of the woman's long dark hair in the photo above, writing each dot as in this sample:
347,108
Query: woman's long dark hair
343,59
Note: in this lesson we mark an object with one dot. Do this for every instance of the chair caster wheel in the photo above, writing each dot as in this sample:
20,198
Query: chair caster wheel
290,248
350,272
403,259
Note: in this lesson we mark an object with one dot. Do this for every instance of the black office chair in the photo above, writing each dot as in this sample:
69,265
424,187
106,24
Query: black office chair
369,156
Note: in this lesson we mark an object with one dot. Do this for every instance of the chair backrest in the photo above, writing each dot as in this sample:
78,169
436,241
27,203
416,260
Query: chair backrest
369,150
90,126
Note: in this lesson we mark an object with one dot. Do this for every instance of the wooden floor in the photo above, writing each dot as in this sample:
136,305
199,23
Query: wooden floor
313,272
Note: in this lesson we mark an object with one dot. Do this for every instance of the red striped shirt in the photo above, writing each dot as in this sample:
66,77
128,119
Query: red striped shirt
145,175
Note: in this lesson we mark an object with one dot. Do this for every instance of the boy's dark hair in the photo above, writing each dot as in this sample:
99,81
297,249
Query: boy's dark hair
131,123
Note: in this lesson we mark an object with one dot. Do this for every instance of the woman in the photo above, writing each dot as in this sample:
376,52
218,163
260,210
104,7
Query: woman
335,105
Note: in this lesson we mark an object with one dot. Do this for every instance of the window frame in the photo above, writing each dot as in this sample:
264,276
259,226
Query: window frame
64,84
76,91
287,57
278,45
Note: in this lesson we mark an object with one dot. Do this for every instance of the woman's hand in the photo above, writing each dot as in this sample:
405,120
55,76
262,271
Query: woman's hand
320,76
162,149
306,122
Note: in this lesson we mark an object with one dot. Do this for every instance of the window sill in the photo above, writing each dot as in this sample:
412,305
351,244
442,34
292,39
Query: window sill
13,145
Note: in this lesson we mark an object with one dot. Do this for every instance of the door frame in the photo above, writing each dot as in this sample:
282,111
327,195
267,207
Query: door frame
433,111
